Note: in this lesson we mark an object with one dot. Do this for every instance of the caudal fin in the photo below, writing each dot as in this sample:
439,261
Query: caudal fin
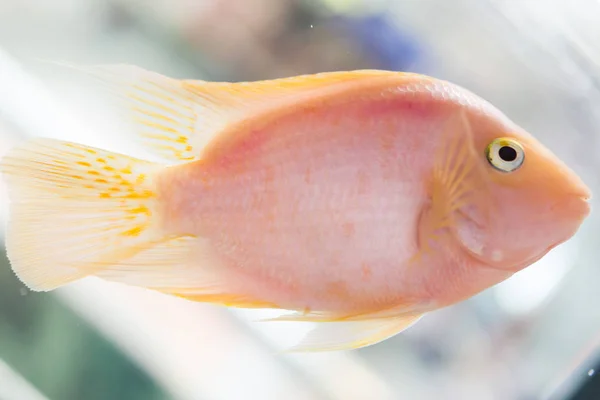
75,210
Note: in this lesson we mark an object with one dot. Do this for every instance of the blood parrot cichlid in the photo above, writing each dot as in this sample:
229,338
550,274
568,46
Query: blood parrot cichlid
358,200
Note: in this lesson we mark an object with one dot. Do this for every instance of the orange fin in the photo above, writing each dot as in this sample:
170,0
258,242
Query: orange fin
175,119
347,334
458,179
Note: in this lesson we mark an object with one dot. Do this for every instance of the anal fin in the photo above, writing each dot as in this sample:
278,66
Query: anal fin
183,267
347,335
336,331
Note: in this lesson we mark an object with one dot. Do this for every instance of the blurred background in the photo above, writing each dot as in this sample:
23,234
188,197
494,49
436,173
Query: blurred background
534,336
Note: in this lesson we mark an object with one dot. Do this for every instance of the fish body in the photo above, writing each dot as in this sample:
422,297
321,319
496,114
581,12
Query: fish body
361,200
312,202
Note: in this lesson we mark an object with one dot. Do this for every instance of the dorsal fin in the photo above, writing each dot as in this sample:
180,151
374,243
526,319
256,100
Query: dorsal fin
175,118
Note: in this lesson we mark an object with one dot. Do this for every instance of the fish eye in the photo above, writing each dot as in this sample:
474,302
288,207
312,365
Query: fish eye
505,154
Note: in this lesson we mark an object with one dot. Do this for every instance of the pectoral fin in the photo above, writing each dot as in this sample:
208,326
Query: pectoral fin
458,183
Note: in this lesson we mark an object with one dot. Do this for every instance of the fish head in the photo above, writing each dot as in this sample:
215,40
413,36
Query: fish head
529,201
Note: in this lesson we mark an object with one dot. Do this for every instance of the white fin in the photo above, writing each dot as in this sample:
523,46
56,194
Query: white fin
78,211
175,118
73,205
346,335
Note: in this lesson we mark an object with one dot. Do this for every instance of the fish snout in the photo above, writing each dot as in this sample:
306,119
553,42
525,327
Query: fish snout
571,207
578,198
577,205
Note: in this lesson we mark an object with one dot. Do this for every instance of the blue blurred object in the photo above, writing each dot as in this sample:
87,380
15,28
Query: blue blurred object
391,47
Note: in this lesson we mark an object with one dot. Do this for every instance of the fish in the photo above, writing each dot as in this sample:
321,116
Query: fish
355,201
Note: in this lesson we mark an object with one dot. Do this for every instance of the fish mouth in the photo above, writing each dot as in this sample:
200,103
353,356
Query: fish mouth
576,209
587,209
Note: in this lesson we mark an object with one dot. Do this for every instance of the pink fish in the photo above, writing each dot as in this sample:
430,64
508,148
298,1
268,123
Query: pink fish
359,200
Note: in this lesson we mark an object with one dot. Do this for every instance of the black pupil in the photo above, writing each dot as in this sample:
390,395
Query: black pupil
507,153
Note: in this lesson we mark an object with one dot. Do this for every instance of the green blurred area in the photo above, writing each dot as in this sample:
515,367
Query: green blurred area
60,354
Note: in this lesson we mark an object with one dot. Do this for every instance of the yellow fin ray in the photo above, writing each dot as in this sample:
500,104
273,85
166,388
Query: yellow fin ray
229,300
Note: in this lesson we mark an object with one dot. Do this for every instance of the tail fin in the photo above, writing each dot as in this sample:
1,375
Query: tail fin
75,209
